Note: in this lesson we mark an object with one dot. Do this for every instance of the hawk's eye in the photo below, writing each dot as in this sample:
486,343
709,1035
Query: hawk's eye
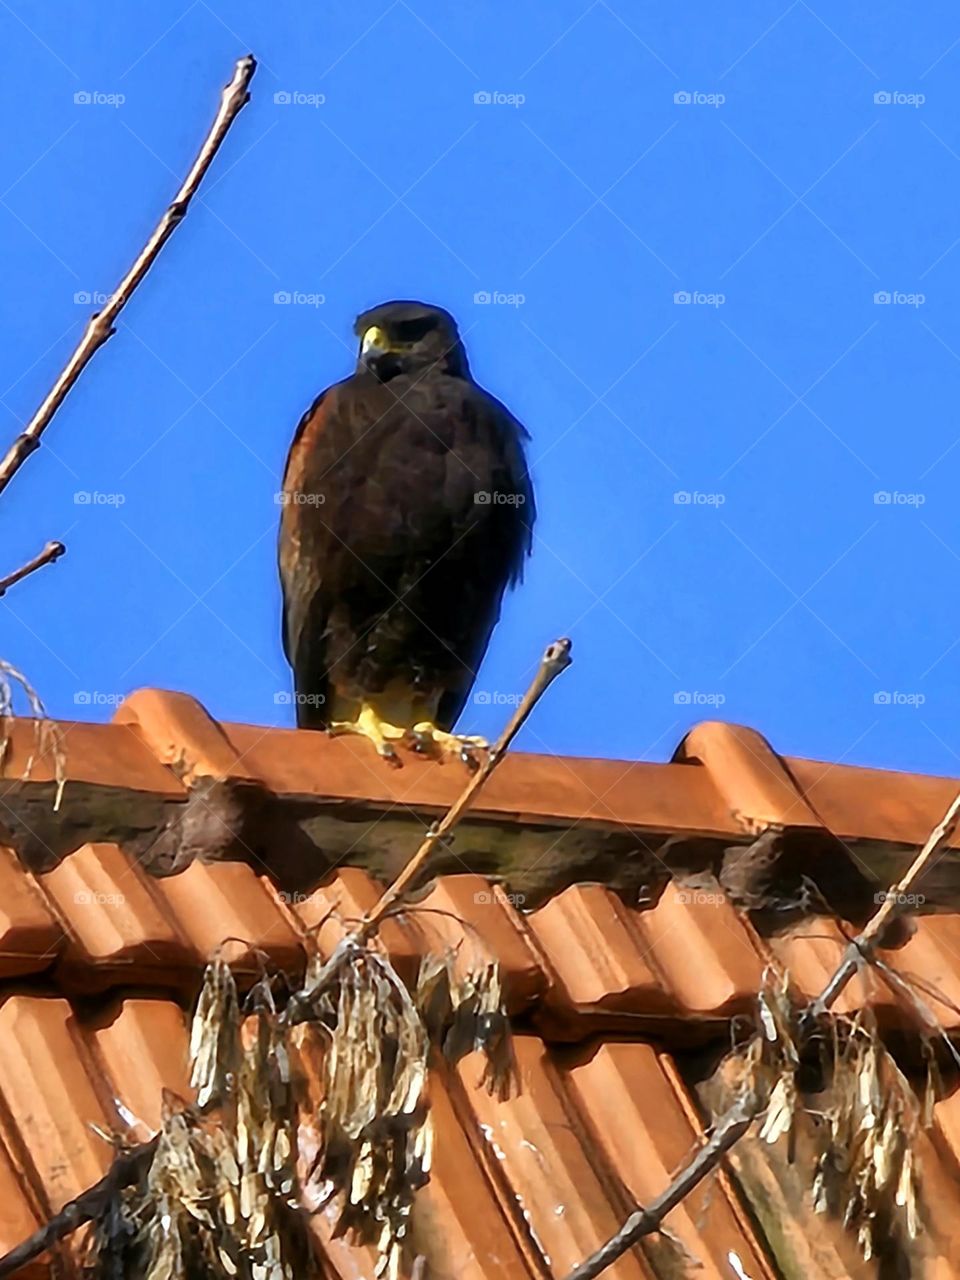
410,331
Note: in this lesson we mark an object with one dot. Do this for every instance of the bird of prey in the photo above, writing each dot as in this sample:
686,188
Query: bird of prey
407,510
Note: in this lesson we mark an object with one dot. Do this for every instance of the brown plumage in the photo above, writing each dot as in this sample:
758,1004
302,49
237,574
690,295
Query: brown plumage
407,512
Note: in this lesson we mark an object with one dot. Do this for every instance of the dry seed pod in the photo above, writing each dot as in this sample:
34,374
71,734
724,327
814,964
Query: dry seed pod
214,1036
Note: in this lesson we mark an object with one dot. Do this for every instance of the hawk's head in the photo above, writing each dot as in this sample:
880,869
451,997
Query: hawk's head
409,337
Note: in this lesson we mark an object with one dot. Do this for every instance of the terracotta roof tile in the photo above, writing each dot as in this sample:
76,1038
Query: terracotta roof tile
750,776
704,951
930,962
597,960
48,1091
534,1140
30,935
118,930
329,911
18,1218
227,900
639,1122
460,1226
811,951
100,958
469,915
139,1047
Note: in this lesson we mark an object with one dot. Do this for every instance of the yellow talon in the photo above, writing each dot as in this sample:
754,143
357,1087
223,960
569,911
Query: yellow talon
427,737
369,725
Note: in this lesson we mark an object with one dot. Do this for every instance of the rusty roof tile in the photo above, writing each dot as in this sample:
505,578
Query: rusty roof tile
30,936
550,1173
597,961
459,1225
181,733
226,900
642,1127
535,1140
874,804
811,951
930,963
749,775
50,1097
704,951
525,788
118,929
18,1217
477,919
106,755
463,913
341,901
140,1048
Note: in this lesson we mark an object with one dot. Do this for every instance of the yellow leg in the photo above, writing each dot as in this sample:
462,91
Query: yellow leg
369,725
433,741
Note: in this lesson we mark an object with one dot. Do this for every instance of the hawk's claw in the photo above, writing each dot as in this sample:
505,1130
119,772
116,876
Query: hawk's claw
427,739
380,732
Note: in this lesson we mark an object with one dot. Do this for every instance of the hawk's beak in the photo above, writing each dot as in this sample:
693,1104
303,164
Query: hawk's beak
373,345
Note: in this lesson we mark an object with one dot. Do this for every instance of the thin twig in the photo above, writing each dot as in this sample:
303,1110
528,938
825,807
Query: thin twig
735,1122
864,943
645,1221
555,660
100,325
52,551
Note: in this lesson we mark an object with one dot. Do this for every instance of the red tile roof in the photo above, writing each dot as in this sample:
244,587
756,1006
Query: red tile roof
614,995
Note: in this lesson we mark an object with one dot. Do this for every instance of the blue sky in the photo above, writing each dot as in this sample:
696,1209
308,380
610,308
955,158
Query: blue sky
708,470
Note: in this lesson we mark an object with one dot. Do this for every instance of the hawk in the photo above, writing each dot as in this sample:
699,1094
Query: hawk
407,510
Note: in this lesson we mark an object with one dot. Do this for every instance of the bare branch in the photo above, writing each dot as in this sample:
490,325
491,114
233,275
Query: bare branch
645,1221
52,551
862,946
555,660
100,325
